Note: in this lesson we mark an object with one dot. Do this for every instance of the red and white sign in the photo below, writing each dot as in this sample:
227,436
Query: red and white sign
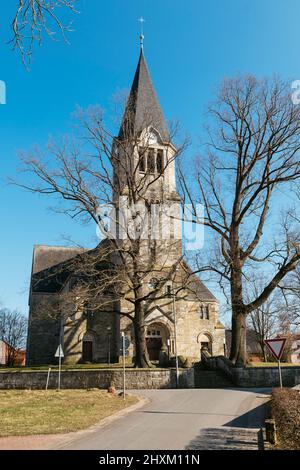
276,346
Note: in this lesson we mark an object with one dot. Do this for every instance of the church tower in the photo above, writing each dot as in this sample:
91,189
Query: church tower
144,168
181,315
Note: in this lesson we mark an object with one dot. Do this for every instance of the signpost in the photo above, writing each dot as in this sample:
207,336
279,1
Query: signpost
108,345
48,377
276,346
125,344
59,353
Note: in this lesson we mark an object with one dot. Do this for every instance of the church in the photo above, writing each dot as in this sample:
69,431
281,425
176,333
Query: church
184,323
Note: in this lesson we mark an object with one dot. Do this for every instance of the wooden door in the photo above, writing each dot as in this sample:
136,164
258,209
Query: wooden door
154,346
87,351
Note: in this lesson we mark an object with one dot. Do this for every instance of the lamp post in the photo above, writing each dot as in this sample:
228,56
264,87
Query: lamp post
108,344
175,335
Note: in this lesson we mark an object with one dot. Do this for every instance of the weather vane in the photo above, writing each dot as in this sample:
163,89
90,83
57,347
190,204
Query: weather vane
141,20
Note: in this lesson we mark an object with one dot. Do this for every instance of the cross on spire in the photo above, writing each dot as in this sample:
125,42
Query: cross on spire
142,21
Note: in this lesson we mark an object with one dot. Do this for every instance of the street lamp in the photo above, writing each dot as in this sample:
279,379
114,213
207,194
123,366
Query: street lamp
108,344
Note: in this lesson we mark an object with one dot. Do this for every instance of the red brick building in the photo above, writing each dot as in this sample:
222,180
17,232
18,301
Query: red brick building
8,354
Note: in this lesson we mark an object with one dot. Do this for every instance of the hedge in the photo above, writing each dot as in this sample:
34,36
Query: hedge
285,406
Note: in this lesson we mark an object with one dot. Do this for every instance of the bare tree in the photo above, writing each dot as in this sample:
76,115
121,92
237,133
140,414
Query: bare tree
252,157
265,319
290,289
131,266
35,17
13,330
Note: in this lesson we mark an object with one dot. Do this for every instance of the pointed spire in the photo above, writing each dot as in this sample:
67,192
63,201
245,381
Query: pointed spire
143,108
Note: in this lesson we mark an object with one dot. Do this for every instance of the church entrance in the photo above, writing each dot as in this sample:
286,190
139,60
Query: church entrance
205,344
154,346
87,351
155,339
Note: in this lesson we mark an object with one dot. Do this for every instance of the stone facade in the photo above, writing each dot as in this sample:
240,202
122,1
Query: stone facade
95,337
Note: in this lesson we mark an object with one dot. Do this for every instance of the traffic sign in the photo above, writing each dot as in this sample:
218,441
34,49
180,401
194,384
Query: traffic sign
276,346
126,342
59,352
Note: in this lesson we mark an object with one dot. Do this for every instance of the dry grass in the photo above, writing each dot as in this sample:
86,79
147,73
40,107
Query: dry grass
93,366
64,367
27,412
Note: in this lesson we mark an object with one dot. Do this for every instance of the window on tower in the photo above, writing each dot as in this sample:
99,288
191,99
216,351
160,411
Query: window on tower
142,162
151,161
204,312
159,162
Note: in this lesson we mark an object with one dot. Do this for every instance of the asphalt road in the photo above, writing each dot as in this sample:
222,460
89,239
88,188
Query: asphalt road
184,419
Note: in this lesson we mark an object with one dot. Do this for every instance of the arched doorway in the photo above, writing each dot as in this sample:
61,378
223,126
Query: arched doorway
87,347
205,341
156,337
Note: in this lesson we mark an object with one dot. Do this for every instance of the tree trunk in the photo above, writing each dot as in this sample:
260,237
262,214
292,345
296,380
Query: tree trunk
141,353
238,353
263,348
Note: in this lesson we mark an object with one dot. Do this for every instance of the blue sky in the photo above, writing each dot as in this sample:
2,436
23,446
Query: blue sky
190,46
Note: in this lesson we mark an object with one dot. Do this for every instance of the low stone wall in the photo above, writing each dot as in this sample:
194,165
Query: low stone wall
101,378
148,378
265,376
254,376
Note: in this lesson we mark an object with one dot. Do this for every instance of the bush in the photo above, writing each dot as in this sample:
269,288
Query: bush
286,412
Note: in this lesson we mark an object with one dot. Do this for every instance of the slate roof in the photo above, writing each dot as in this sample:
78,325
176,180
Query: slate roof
53,265
48,273
196,287
45,257
143,108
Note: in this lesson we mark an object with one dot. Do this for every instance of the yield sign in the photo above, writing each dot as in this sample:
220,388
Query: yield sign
59,352
276,346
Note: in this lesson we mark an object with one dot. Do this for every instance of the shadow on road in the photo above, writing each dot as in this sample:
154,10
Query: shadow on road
225,439
240,433
253,419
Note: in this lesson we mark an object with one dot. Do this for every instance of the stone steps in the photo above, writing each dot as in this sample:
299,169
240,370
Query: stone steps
211,379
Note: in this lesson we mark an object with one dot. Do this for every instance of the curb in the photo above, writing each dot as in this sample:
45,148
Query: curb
73,436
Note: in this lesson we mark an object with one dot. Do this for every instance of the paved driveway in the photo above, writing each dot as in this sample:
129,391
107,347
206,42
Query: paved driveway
184,419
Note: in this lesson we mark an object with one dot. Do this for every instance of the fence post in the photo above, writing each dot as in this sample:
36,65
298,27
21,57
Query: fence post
271,434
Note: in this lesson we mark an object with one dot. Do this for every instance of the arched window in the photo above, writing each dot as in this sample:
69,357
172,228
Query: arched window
204,312
151,161
160,161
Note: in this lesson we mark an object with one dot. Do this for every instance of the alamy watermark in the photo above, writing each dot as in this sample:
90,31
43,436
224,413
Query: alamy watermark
155,222
2,92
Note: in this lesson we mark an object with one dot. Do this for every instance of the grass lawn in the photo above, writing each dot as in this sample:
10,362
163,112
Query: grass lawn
272,364
64,367
26,412
72,367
